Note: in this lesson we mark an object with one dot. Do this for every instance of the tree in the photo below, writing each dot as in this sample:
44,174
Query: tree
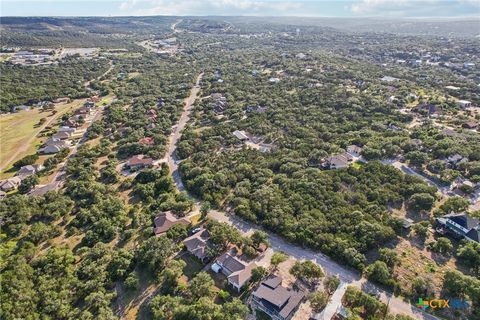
442,245
201,286
318,300
306,270
331,284
258,237
388,256
27,184
258,273
421,201
469,254
131,283
205,208
378,271
235,310
170,275
421,229
417,158
154,253
277,258
455,204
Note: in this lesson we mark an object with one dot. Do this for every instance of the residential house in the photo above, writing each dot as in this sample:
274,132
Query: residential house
83,111
147,141
165,220
62,100
219,102
139,162
337,161
470,125
198,244
425,108
66,129
28,170
237,271
62,135
56,142
278,302
461,225
89,104
456,159
10,184
151,114
464,104
354,151
71,122
256,109
241,135
50,149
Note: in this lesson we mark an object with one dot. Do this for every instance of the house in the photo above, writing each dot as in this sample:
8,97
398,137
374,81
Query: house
62,100
43,189
464,104
151,114
139,162
89,104
50,149
278,302
425,108
456,159
165,220
29,170
469,65
470,125
62,135
66,129
337,161
83,111
274,80
354,150
461,225
148,141
219,102
256,109
241,135
10,184
198,244
56,142
70,122
237,271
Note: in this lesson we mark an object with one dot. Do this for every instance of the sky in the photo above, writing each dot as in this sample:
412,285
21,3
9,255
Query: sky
314,8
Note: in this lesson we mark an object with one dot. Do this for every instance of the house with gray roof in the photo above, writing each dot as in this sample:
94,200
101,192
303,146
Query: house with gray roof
278,302
198,244
237,271
461,225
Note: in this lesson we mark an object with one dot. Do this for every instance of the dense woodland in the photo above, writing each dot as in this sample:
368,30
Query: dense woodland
79,252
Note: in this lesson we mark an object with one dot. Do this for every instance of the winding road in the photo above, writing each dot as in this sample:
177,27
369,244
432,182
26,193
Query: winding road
346,275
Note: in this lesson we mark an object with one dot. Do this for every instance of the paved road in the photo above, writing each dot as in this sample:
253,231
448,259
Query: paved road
346,275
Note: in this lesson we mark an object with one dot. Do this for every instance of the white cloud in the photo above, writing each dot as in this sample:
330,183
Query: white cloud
394,7
211,7
128,4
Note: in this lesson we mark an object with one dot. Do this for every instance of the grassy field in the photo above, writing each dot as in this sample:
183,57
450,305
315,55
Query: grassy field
19,132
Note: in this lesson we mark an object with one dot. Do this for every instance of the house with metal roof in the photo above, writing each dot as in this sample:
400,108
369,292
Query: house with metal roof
461,225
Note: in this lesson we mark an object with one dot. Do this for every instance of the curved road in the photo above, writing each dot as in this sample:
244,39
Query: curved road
346,275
